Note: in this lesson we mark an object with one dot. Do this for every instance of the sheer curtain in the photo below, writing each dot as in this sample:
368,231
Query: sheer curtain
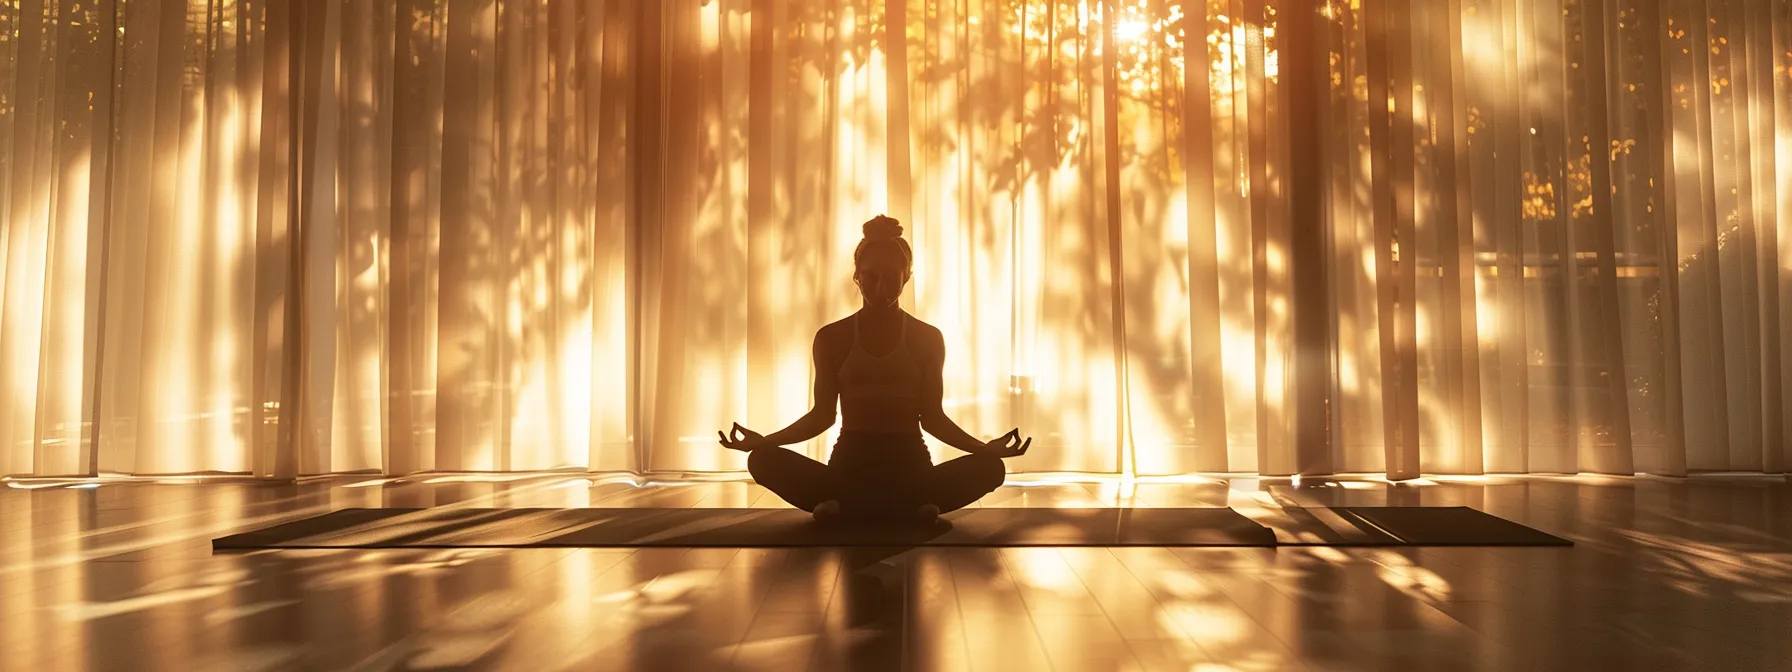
282,238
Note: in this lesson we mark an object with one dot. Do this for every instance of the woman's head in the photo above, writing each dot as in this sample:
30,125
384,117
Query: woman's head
882,263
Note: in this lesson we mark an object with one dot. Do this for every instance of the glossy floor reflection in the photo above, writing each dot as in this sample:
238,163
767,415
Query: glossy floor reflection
1666,574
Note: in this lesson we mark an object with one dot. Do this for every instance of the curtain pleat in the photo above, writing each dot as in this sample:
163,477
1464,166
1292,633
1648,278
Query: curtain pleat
284,238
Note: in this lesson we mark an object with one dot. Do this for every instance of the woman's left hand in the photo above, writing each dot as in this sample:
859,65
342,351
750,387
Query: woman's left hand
742,439
1007,445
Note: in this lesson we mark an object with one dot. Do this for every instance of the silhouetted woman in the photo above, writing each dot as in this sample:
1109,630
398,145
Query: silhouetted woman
884,367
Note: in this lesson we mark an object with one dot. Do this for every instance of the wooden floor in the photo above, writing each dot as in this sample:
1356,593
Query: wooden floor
1666,574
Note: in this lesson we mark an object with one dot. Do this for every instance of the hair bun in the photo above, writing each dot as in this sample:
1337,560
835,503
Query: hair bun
883,227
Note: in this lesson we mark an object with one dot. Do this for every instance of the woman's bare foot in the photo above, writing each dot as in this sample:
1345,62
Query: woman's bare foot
827,512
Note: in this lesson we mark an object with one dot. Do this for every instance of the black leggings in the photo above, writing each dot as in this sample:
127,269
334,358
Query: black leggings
876,475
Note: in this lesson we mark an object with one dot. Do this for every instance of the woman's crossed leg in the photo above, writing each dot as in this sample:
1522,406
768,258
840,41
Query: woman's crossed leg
806,483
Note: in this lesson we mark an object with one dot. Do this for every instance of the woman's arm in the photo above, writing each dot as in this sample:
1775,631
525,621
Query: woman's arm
943,428
933,413
811,425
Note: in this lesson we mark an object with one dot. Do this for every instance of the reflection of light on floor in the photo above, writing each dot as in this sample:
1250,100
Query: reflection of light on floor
1587,479
1400,573
485,477
359,566
772,652
677,585
657,483
88,611
488,611
660,599
1121,492
1207,624
350,574
1474,479
1417,582
1362,481
1253,659
37,485
1188,479
1054,531
1074,478
220,616
1043,568
369,484
470,633
91,611
1329,554
201,532
1703,568
457,652
255,659
1044,480
213,528
1181,584
1728,475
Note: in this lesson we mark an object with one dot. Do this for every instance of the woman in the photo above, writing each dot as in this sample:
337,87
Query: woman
884,367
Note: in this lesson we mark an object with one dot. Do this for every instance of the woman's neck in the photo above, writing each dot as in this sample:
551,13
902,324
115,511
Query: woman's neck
880,313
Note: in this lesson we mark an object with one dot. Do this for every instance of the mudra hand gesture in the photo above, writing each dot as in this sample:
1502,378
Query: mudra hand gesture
1007,445
742,439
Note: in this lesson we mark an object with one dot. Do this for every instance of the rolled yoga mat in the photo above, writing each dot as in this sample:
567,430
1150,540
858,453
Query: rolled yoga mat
453,527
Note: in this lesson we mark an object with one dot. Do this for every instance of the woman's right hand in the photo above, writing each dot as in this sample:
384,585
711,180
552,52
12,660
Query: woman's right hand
1007,445
742,439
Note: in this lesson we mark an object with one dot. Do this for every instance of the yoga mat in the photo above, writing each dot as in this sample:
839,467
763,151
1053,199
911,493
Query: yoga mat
450,527
1445,526
748,528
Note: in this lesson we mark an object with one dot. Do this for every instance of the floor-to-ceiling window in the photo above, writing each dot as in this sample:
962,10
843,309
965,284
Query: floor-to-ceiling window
305,237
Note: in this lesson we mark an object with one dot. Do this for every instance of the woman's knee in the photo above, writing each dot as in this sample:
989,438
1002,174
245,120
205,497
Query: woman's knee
763,463
989,472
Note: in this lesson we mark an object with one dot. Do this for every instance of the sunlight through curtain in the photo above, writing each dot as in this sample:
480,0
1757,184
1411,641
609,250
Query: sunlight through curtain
283,238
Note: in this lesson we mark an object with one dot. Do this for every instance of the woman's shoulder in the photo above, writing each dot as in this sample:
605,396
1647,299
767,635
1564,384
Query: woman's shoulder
837,326
930,336
835,333
921,325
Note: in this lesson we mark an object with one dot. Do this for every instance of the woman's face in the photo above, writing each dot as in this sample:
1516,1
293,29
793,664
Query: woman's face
881,276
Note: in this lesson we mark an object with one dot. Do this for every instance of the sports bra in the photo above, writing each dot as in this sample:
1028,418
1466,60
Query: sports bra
863,376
